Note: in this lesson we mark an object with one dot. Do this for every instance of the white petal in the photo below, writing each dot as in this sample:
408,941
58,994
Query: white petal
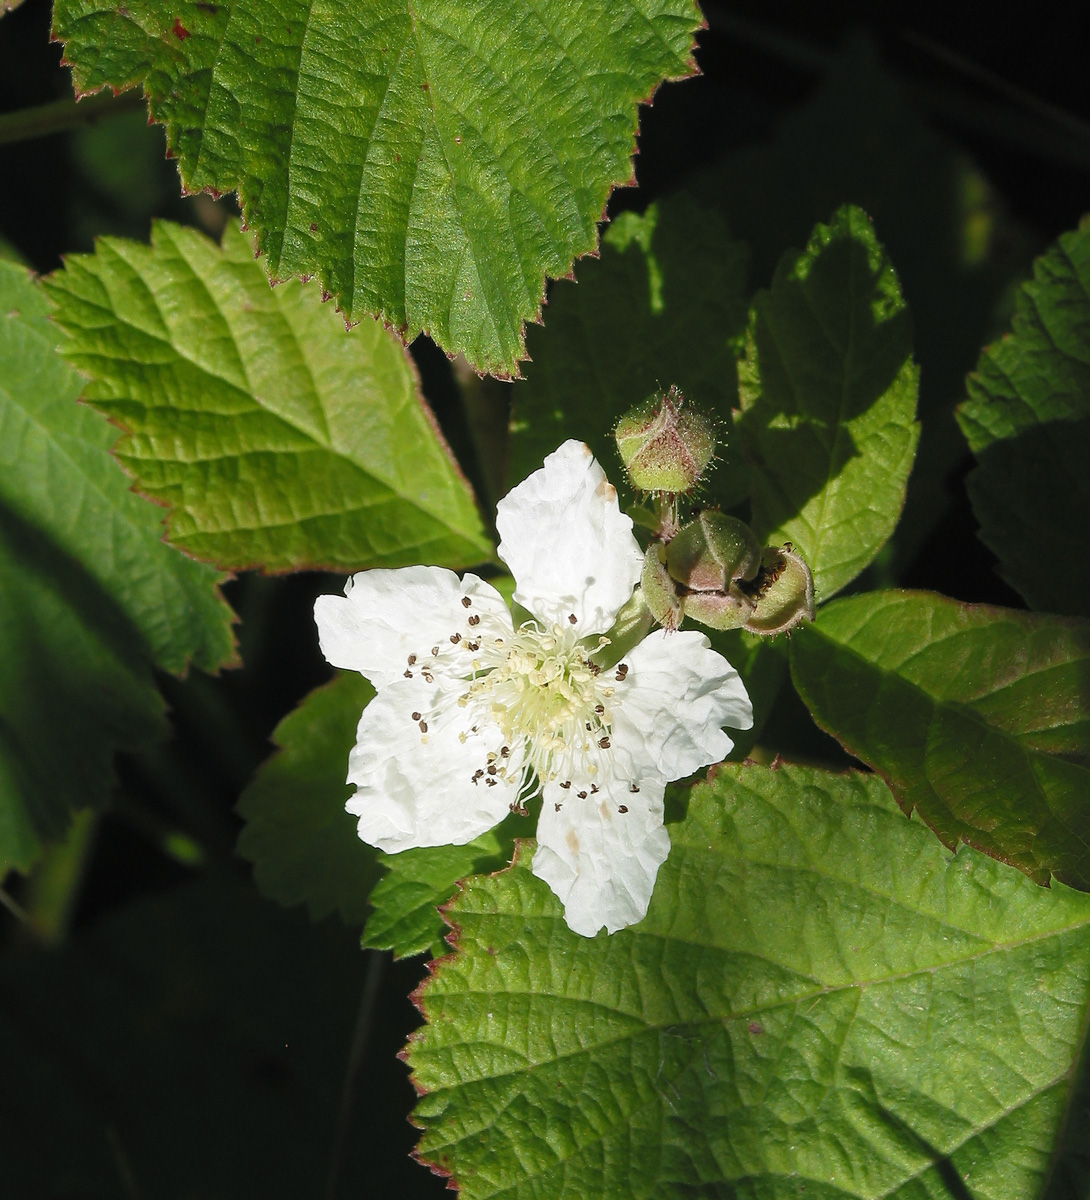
600,861
416,788
384,616
669,709
569,546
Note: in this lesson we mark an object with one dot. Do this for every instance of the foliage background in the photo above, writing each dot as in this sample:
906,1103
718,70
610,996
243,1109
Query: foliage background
243,1053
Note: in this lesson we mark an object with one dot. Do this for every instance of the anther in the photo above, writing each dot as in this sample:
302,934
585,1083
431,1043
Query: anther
492,769
622,808
466,602
588,725
408,674
622,671
557,806
505,752
595,669
412,660
474,620
599,708
572,619
582,795
490,781
566,783
604,743
456,638
423,726
633,788
593,789
416,716
435,652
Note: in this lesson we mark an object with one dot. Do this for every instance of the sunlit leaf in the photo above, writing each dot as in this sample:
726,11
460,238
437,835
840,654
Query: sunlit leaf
90,596
1027,420
820,997
978,717
429,163
276,438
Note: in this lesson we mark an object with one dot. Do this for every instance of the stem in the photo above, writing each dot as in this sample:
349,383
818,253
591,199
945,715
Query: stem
63,115
372,981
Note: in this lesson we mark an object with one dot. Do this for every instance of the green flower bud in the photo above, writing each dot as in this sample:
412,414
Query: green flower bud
713,551
659,590
719,610
665,446
784,592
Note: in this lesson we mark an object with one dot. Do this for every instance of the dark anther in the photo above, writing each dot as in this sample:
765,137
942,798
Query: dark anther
588,725
478,773
466,602
622,671
623,808
408,674
582,795
566,783
474,620
604,743
492,769
557,806
423,727
599,708
456,638
412,660
490,781
435,650
572,620
595,669
416,716
633,788
474,645
505,752
593,789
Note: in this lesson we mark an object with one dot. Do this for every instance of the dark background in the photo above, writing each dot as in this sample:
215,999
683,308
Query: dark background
186,1038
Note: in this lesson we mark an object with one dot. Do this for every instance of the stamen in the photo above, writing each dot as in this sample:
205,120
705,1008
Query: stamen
416,716
633,788
466,602
572,619
412,660
623,808
474,619
423,727
456,638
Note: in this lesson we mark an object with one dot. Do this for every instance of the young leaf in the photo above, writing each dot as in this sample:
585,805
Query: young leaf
828,393
1027,421
665,304
977,717
819,997
406,899
430,163
277,439
302,843
90,596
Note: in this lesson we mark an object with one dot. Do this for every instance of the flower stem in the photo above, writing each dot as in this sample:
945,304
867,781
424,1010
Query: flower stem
63,115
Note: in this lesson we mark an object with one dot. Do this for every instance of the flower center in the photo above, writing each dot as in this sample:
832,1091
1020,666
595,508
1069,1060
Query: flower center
546,694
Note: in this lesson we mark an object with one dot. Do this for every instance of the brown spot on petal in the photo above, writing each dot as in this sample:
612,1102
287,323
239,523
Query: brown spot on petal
573,841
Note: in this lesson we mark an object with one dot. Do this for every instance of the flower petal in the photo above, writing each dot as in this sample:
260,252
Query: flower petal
387,615
669,708
569,546
415,777
600,854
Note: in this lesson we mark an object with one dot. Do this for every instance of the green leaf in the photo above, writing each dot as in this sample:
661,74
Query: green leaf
90,595
665,304
406,899
277,439
298,836
978,718
1027,420
430,163
819,998
828,392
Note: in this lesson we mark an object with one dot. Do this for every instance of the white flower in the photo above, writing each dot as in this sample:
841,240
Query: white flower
473,716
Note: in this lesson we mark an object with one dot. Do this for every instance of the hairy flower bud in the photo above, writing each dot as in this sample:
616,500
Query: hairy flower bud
713,551
659,591
665,446
784,595
728,609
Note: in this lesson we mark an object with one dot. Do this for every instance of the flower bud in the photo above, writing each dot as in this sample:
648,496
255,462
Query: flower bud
659,590
784,594
719,610
713,551
665,446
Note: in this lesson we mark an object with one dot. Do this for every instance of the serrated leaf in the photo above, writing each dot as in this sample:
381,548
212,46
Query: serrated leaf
1027,421
302,843
277,439
665,304
828,393
90,596
819,997
978,717
406,899
430,163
